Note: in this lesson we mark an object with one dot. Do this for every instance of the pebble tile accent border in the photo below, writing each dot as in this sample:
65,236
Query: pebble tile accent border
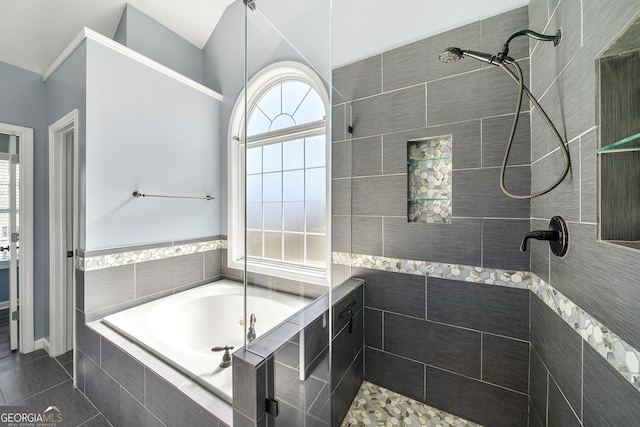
488,276
622,356
377,406
131,257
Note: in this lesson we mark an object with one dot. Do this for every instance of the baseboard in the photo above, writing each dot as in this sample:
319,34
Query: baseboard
41,343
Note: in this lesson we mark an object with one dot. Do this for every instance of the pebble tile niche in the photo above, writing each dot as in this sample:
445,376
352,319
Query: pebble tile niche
429,179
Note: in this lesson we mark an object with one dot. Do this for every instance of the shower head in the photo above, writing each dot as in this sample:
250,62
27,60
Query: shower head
451,54
454,54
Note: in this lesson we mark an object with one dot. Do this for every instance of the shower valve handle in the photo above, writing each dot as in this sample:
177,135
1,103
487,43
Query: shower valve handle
551,235
557,235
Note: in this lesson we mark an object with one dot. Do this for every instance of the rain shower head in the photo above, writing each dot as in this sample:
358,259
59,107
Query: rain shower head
454,54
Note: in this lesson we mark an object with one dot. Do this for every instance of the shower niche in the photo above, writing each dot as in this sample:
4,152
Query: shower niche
618,74
429,167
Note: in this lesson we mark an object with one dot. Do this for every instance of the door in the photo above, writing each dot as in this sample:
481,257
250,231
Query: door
9,188
69,237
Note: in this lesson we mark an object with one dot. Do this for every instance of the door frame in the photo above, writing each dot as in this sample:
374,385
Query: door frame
25,272
58,305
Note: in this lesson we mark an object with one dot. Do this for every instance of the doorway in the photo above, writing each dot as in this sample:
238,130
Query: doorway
16,239
63,190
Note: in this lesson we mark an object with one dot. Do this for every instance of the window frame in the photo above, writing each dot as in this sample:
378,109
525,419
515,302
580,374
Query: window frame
247,101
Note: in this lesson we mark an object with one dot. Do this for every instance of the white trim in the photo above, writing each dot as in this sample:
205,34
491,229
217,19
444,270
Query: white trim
257,86
25,281
87,33
5,304
58,304
42,343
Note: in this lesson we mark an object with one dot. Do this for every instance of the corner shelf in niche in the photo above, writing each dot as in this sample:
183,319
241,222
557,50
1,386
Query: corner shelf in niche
429,174
631,143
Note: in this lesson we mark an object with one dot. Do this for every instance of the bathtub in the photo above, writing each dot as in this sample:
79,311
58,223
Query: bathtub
182,328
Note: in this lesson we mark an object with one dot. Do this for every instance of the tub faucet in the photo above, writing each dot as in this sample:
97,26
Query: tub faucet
251,334
226,357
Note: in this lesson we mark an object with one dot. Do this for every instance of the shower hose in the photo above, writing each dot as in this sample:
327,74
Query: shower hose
519,79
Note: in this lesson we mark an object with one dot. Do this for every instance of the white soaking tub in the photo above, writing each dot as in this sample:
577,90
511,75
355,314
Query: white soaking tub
182,328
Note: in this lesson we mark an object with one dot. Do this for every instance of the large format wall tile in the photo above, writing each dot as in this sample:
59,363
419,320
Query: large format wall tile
378,370
560,413
476,193
564,200
608,398
379,195
538,380
484,93
474,400
125,370
390,112
494,309
588,178
561,350
539,251
398,293
465,138
373,328
495,137
366,156
505,362
156,276
366,235
601,279
418,62
107,287
497,29
447,347
358,80
547,59
457,243
501,240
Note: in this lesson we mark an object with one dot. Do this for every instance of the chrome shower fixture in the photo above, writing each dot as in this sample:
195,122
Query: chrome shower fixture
454,54
503,60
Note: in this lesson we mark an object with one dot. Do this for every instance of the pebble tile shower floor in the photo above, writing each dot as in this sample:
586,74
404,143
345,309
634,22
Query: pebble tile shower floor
377,406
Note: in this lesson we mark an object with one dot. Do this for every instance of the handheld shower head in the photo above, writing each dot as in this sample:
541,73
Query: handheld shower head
450,55
454,54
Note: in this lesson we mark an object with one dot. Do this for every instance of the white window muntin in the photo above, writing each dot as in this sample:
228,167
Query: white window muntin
260,84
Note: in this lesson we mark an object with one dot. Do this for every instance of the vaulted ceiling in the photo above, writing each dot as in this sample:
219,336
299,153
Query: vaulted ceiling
34,32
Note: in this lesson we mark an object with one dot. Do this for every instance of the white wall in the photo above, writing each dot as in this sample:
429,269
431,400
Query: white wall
151,133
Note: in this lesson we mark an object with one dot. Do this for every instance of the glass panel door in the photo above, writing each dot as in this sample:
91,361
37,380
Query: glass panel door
287,205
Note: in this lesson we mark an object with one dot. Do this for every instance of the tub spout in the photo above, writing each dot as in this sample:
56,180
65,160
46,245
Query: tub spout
226,357
251,334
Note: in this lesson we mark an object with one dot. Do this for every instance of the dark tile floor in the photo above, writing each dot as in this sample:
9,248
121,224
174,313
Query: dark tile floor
37,379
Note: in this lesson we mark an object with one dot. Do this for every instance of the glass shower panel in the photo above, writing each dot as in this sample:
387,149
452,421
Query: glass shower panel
287,172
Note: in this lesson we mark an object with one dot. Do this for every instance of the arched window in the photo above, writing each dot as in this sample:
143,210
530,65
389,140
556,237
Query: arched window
285,173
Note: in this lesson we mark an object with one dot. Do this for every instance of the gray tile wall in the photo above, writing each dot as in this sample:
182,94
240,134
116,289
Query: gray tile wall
280,365
472,335
109,290
570,383
405,94
477,335
600,278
